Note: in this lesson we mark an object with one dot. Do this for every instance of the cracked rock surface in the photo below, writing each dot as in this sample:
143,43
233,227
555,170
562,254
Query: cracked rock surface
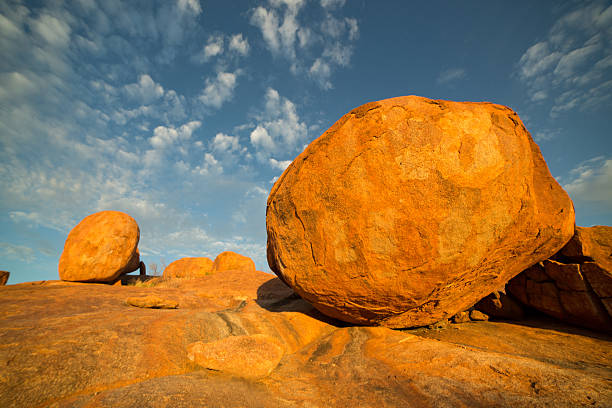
574,286
243,339
409,210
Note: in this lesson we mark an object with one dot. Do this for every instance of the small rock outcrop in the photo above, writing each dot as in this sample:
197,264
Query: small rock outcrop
502,306
410,210
189,267
228,260
4,275
100,248
574,286
152,302
249,356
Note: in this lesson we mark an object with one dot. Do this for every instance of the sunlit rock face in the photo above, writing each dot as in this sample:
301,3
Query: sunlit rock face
100,248
409,210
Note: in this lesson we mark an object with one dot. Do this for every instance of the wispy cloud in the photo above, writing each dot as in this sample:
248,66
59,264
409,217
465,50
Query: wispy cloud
451,75
219,90
571,67
279,128
315,50
591,181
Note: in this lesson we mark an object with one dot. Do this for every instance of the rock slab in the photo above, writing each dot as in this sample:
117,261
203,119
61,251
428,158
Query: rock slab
100,248
152,302
410,210
575,286
248,356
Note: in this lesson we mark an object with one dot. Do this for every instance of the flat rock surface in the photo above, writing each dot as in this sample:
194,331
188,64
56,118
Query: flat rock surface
409,210
78,345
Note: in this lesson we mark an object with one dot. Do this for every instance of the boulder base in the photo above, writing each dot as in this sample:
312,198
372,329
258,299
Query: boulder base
100,248
409,210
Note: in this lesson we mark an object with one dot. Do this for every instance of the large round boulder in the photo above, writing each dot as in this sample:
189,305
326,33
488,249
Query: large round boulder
409,210
100,248
189,268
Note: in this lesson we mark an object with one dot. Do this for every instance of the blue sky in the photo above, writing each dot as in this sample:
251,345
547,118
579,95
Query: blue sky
183,113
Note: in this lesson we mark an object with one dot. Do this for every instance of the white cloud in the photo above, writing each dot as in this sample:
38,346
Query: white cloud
591,181
281,165
164,136
261,139
209,166
213,47
145,90
55,32
239,44
569,67
279,128
545,135
321,71
192,6
315,50
224,143
219,90
451,75
332,3
17,252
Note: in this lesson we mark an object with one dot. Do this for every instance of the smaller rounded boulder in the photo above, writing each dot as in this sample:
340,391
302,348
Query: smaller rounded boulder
100,248
189,268
228,260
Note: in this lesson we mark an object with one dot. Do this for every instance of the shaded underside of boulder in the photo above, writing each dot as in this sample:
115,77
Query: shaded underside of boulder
409,210
575,286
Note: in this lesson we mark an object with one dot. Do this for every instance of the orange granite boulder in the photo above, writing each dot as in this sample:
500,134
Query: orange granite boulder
410,210
228,260
189,267
100,248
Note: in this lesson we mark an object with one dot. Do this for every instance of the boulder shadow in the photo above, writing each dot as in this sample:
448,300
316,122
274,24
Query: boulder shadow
275,296
537,320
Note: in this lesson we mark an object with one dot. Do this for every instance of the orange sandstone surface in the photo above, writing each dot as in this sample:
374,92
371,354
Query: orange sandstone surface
244,339
409,210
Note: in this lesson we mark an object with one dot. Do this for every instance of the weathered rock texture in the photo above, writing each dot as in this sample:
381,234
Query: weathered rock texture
4,275
152,302
228,260
65,344
189,267
251,356
409,210
100,248
576,285
501,305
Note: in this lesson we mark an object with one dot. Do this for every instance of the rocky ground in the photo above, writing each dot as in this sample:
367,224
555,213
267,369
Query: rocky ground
81,345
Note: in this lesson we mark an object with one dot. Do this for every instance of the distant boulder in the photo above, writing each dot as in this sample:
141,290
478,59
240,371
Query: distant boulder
4,275
100,248
228,260
189,267
409,210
